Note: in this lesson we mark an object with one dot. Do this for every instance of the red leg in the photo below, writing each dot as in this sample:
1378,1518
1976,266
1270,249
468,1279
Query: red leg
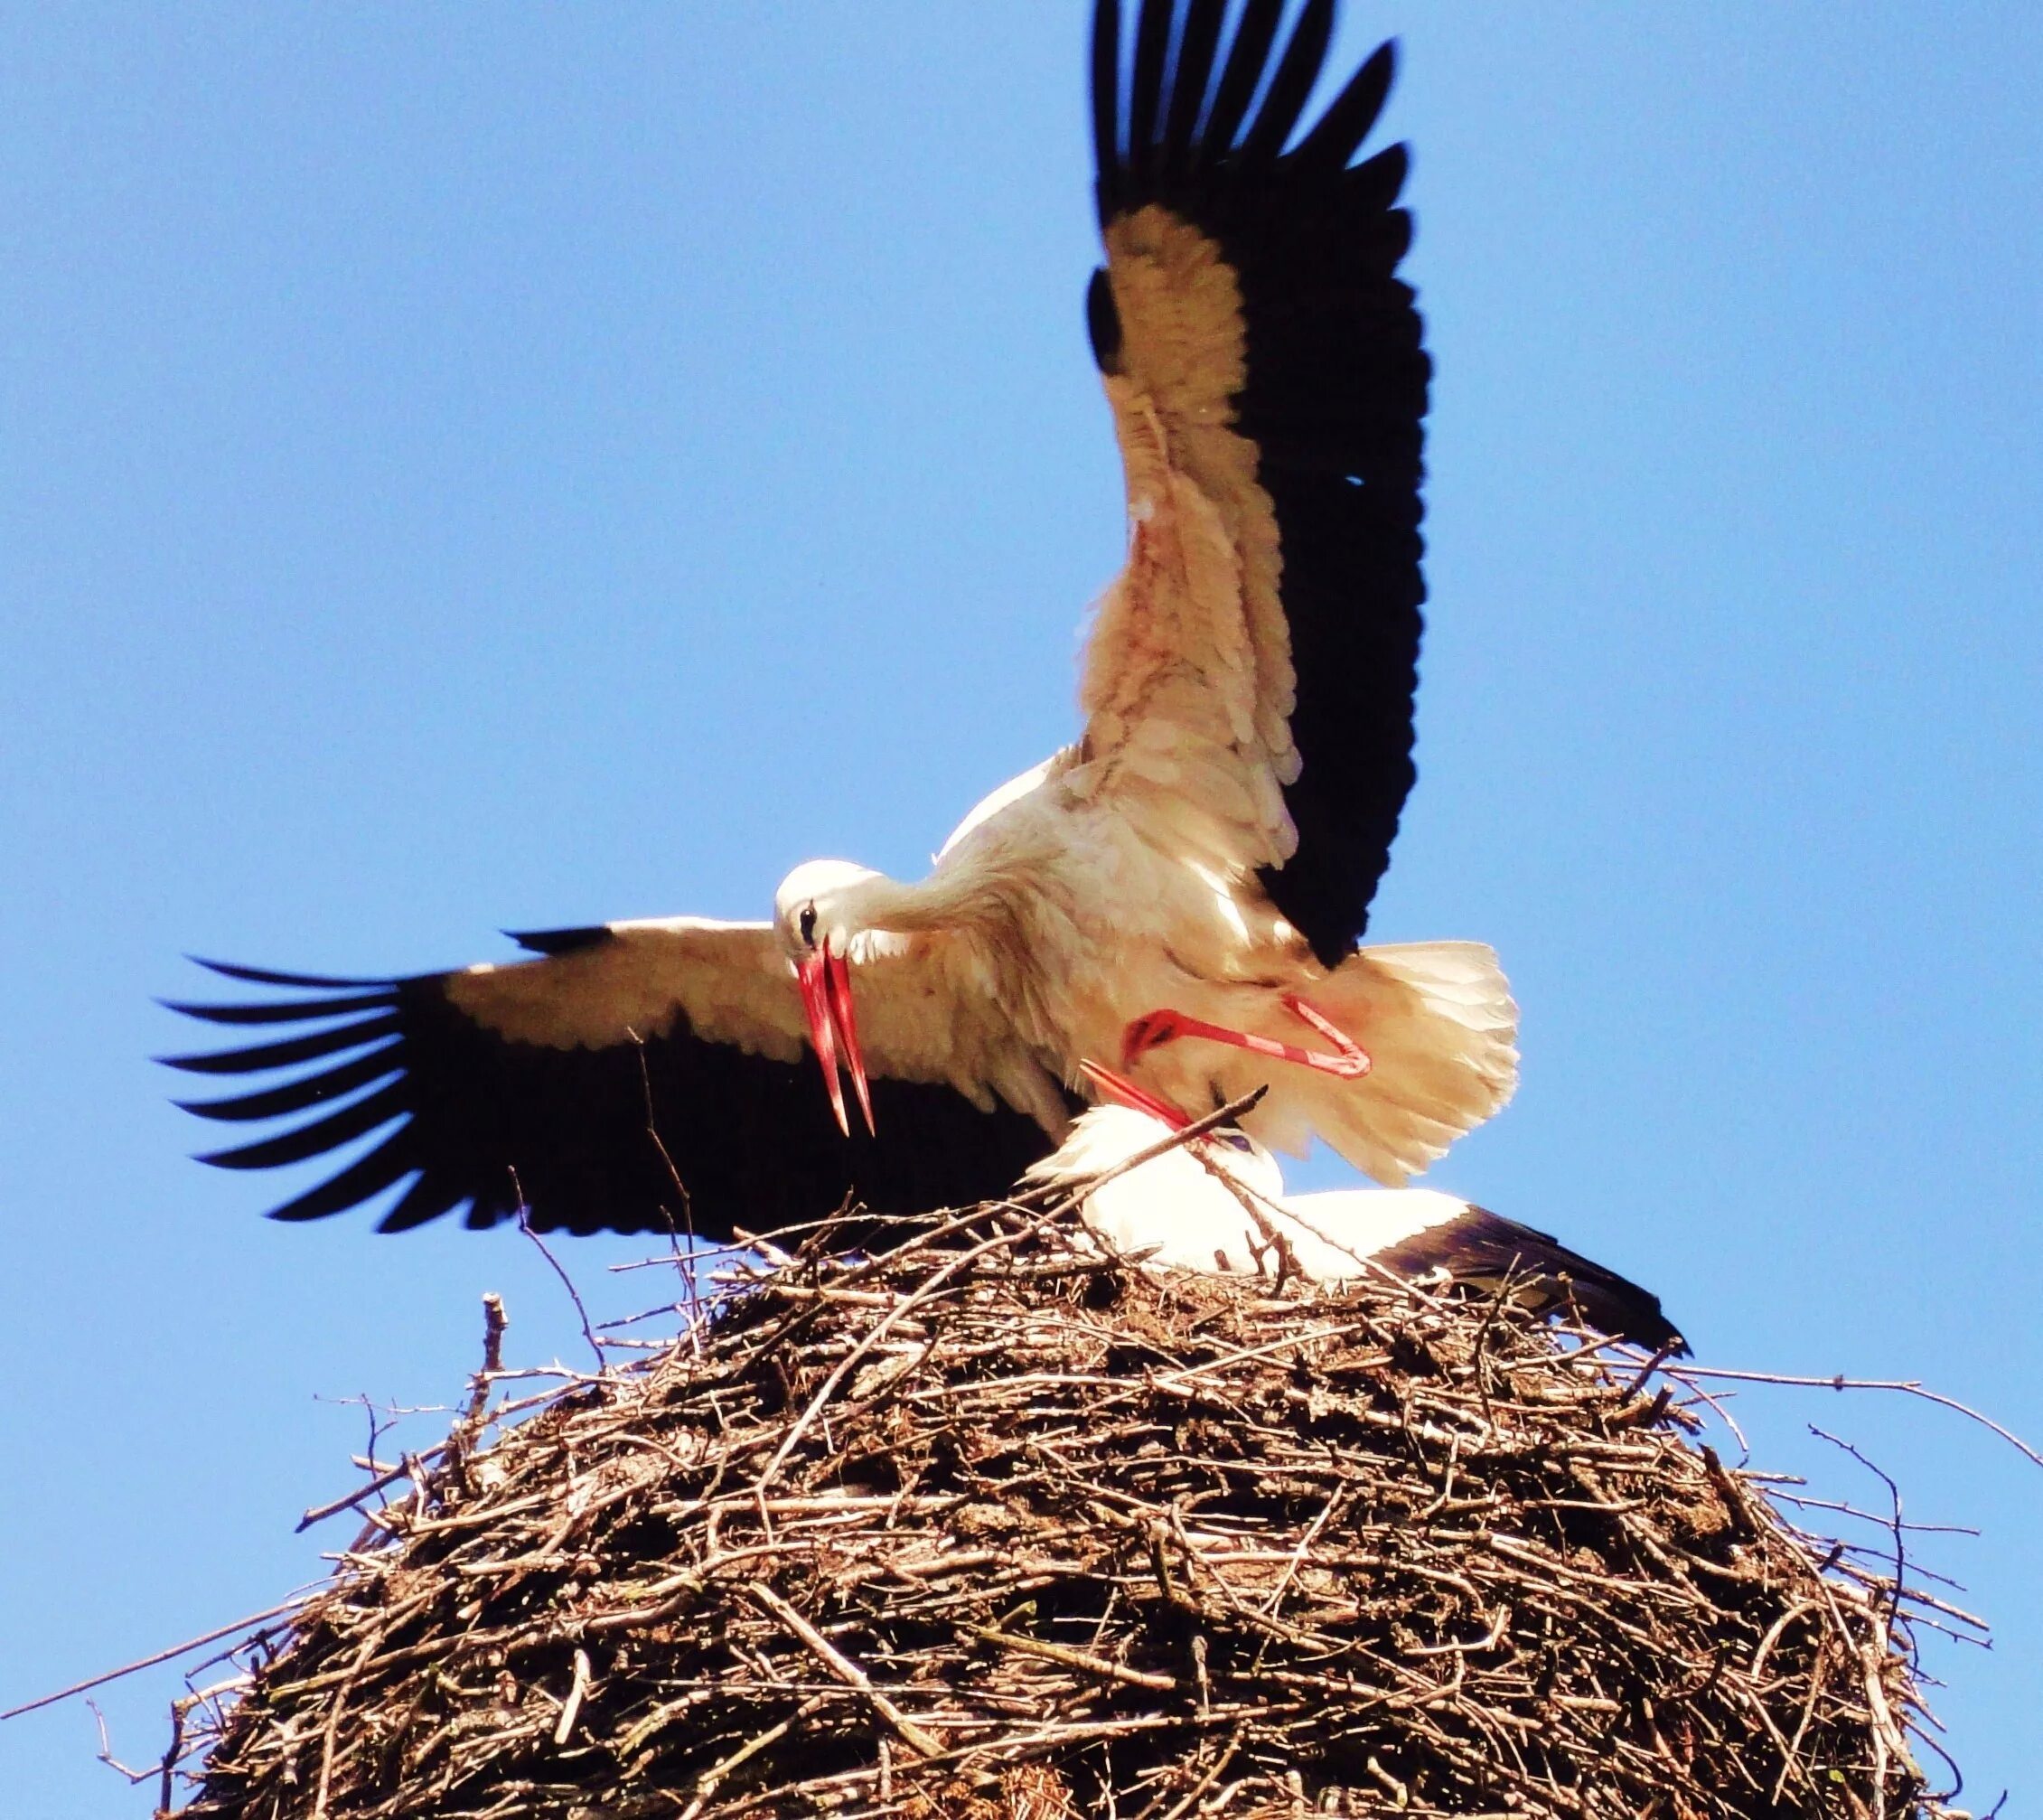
1349,1060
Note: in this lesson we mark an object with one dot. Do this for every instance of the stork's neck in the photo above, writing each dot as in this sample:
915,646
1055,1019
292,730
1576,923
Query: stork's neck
950,899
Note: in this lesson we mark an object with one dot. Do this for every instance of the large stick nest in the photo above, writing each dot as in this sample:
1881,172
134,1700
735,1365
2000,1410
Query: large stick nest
987,1528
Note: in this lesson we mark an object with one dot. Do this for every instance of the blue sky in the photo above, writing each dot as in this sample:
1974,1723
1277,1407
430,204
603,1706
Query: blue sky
465,470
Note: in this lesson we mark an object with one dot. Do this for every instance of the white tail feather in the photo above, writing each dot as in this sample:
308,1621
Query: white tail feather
1437,1020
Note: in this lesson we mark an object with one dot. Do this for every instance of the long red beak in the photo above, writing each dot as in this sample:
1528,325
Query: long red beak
825,979
1123,1091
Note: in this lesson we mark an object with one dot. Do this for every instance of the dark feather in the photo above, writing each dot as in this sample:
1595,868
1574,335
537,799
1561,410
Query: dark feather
296,1011
1103,324
388,1162
1146,81
1106,103
1486,1250
1190,76
1254,33
287,1054
1347,122
425,1199
310,1090
264,976
560,941
318,1138
1292,87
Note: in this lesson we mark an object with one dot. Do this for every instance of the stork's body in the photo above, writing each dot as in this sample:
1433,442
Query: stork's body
1182,890
1075,916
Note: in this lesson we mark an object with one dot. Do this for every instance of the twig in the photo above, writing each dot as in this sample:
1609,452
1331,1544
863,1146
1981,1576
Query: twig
1069,1194
681,1259
1904,1386
162,1656
106,1751
1073,1658
1894,1525
566,1282
495,1321
846,1670
330,1737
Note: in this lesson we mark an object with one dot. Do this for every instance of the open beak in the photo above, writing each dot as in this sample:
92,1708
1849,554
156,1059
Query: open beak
1123,1091
825,979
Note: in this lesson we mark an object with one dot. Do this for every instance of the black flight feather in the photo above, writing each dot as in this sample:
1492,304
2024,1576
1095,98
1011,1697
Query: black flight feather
294,1096
1254,33
1486,1250
1190,78
560,941
1292,87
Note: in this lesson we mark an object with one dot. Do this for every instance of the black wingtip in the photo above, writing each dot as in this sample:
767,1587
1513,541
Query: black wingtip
1340,130
332,1041
1297,70
265,976
1191,80
1485,1250
1613,1304
552,941
322,1135
1106,104
287,1012
1627,1312
366,1177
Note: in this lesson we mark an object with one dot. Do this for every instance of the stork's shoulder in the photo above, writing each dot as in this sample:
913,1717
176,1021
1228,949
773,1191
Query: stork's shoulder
1029,786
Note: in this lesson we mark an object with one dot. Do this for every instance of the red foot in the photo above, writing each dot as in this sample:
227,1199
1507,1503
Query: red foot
1351,1061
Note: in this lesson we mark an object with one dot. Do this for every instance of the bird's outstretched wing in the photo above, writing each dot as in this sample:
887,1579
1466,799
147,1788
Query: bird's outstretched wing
637,1078
1256,659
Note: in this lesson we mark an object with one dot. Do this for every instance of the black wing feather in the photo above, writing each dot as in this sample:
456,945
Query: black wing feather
294,1096
1292,87
1254,33
485,1124
1334,402
1146,84
1488,1250
318,1138
366,1177
1106,106
1347,122
289,1053
297,1011
265,976
1192,76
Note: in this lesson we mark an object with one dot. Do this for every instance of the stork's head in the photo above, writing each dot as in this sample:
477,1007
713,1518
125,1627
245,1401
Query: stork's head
816,914
819,901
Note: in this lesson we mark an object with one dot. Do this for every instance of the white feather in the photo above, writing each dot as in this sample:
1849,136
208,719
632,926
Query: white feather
1219,1207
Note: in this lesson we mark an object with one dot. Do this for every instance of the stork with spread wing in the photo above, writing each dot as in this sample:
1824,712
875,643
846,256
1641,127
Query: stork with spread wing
1183,889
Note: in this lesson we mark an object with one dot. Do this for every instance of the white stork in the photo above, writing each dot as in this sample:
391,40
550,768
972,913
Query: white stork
1216,1204
1181,889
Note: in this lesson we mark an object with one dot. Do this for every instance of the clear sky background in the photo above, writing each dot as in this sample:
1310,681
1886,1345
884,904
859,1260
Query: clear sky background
476,468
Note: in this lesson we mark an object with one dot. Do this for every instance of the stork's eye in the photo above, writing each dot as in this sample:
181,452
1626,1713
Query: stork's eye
807,923
1235,1140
